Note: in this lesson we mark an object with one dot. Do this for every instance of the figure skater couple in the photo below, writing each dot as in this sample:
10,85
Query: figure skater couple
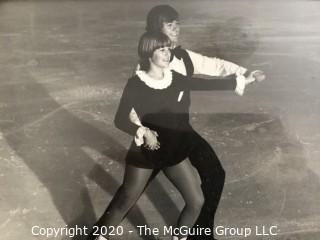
154,110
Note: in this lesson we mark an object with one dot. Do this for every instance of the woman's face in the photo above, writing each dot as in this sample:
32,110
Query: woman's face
172,30
161,57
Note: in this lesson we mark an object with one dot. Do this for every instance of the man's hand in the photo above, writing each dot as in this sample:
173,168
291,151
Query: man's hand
259,75
150,140
255,76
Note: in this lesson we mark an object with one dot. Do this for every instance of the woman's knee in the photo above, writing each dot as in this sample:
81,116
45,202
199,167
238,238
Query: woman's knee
200,200
197,201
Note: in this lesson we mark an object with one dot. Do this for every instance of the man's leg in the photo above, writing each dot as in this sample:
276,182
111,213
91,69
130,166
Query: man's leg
212,175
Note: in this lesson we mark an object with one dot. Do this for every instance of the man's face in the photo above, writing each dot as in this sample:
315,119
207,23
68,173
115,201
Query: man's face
172,30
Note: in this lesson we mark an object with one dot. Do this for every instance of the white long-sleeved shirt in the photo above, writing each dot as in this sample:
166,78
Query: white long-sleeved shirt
213,66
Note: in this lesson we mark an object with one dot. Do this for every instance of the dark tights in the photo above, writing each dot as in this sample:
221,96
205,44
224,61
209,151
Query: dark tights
135,180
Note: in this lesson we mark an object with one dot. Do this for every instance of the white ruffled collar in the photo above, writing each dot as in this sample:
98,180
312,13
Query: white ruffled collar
154,83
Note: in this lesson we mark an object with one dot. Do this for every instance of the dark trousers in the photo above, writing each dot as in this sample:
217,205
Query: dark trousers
212,177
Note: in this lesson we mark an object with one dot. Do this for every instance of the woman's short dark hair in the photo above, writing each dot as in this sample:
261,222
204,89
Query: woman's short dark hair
148,43
159,15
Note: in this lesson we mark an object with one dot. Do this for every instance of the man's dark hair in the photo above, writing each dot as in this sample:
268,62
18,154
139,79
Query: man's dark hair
159,15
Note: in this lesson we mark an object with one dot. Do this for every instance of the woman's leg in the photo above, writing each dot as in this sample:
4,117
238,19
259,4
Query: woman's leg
186,181
134,182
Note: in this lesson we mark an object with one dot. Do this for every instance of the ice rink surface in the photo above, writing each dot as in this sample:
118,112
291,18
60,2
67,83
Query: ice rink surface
63,65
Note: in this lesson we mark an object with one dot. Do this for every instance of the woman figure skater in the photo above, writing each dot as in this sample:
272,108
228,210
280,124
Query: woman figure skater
161,98
165,19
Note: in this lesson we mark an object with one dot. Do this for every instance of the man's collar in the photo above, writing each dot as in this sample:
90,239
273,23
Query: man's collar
176,52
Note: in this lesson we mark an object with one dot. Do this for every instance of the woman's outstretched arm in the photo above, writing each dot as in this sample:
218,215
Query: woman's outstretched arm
231,82
217,83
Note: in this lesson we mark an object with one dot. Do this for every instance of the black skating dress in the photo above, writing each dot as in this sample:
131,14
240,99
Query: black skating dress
165,111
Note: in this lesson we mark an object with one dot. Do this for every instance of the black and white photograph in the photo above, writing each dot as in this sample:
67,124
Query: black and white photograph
160,120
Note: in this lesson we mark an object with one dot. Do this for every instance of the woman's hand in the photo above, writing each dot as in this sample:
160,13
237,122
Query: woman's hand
255,76
150,140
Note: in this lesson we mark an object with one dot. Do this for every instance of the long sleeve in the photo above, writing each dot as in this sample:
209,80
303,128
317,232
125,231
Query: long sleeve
214,66
221,83
122,120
